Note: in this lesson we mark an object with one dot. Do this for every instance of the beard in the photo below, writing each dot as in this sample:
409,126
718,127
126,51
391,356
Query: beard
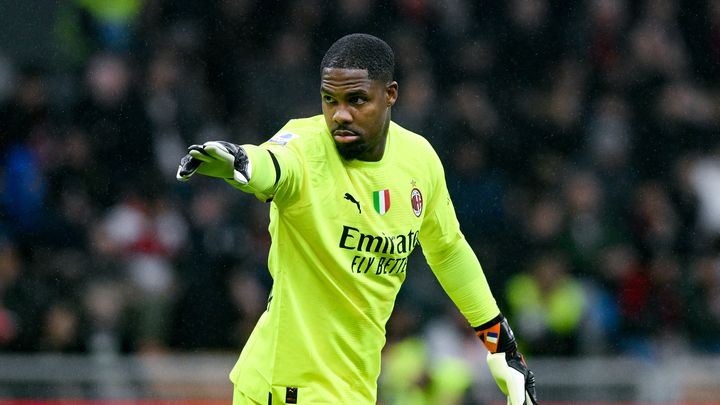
352,150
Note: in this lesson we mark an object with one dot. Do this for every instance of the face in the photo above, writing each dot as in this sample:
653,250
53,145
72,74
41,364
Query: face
357,112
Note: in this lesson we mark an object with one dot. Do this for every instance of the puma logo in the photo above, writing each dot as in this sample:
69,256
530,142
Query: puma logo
352,199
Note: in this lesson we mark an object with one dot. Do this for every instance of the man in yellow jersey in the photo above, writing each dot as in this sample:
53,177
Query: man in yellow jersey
352,193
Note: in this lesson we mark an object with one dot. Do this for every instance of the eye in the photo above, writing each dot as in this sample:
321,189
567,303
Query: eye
358,100
328,99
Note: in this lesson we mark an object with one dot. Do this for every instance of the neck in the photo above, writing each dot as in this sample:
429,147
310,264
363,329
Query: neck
376,153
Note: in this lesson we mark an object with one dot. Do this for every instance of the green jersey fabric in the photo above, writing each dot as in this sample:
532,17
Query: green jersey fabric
341,233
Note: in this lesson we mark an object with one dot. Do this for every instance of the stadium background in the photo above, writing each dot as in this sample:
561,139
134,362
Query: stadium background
581,146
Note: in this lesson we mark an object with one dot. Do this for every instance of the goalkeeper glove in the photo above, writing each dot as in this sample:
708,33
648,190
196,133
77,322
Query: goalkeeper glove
507,365
216,159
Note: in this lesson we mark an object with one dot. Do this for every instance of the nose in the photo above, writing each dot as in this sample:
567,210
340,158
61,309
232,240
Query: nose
342,115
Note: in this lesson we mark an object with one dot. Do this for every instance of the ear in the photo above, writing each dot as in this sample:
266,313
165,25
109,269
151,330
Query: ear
391,93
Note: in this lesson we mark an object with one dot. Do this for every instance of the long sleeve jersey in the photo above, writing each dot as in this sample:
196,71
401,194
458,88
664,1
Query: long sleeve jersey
342,232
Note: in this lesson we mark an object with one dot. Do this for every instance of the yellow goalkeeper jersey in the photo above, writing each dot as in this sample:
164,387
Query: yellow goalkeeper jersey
342,232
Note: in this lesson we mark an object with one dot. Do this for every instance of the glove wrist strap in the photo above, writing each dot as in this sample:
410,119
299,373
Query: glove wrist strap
497,336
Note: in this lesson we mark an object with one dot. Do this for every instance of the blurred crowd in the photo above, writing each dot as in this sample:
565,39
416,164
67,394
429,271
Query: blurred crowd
580,138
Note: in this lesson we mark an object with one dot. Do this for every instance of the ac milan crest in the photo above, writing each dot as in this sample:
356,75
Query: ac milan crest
416,201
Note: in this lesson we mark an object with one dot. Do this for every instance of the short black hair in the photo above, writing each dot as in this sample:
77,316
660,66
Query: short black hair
362,51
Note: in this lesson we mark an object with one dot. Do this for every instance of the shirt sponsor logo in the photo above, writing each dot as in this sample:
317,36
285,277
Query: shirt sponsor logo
353,239
282,138
416,200
381,201
381,254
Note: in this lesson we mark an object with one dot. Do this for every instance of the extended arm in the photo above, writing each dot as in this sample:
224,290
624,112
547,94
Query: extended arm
247,167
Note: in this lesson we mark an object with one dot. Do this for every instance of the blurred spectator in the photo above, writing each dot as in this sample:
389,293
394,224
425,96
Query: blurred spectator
711,39
657,56
652,307
23,298
235,33
605,29
10,268
453,352
61,329
7,78
588,230
544,225
224,287
26,114
656,44
654,221
477,61
429,369
249,297
173,107
608,150
704,303
559,109
549,304
704,177
667,317
527,24
289,59
616,264
74,192
23,190
105,305
700,25
479,190
26,131
688,115
145,233
107,25
686,204
111,114
416,110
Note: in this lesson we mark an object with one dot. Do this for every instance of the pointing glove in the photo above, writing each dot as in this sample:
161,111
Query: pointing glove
216,159
507,365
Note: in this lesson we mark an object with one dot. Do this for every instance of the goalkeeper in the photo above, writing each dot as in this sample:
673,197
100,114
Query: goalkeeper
351,195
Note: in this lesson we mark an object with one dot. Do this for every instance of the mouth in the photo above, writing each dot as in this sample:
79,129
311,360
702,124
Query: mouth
345,136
